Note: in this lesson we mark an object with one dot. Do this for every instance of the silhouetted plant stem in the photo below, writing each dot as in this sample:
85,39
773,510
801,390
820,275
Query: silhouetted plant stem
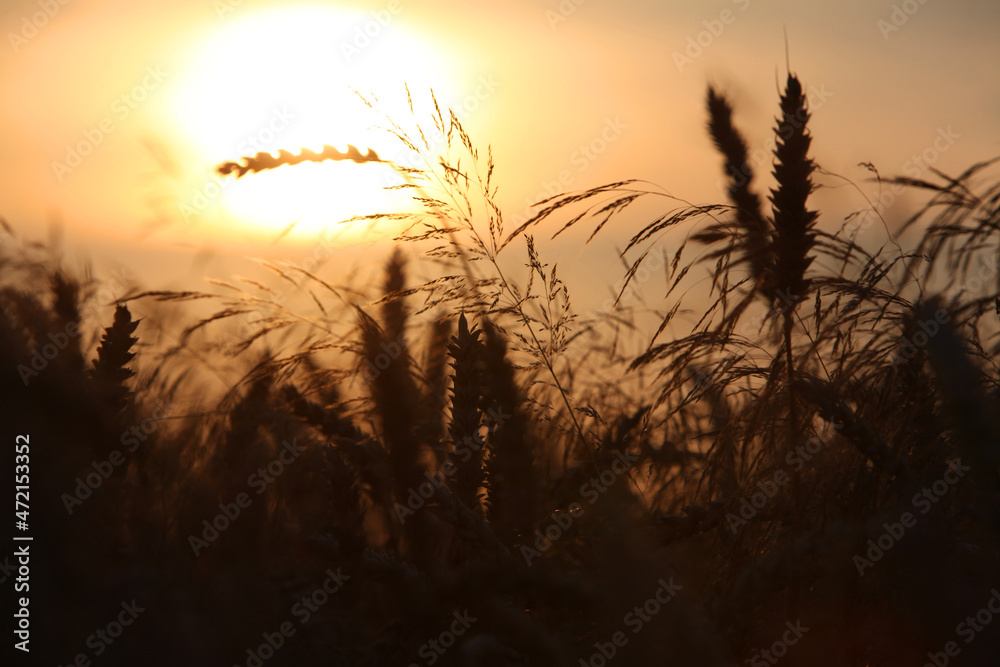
793,227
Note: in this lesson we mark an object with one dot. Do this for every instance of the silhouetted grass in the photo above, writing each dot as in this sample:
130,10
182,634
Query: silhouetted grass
807,407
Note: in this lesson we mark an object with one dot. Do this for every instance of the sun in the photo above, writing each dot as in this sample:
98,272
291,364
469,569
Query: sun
290,78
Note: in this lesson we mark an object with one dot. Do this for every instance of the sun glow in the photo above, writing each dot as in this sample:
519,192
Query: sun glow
286,79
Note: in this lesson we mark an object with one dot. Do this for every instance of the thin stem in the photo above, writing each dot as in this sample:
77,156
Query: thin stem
491,254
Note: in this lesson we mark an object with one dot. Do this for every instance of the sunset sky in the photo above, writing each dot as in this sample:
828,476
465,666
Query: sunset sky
113,113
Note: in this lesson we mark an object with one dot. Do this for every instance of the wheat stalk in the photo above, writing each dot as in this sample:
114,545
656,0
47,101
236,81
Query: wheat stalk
793,227
265,161
466,352
755,232
114,352
793,222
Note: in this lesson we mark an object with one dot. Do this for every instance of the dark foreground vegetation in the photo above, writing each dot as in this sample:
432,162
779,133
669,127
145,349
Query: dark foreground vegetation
807,474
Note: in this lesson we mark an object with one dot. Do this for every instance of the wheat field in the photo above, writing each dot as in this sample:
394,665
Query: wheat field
464,470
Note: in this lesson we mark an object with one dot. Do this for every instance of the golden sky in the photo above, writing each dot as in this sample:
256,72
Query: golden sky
113,113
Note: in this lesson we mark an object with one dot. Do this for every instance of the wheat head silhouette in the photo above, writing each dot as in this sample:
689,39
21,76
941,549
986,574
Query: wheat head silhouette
264,161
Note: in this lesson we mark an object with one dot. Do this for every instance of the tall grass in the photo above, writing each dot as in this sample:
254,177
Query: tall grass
799,416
